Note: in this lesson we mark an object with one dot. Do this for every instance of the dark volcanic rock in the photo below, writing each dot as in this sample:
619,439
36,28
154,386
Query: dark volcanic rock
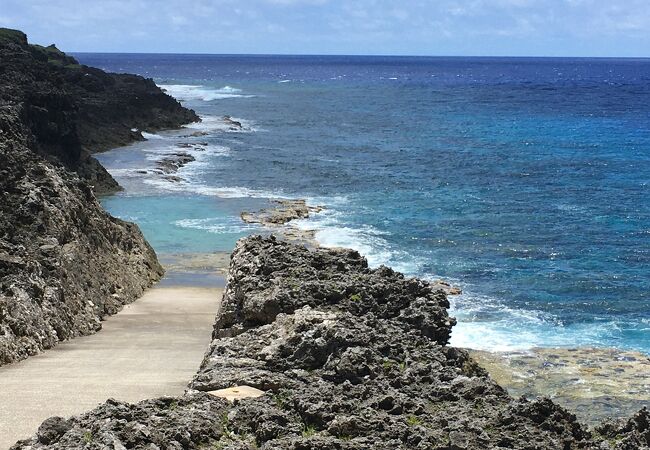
194,421
627,434
64,262
234,125
170,164
73,110
347,358
268,277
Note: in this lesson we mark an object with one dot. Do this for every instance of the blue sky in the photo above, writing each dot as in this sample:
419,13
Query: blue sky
406,27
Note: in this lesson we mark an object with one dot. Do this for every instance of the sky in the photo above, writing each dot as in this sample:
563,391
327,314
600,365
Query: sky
352,27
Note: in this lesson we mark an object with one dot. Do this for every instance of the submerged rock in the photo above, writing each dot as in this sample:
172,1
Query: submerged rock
173,162
596,383
282,213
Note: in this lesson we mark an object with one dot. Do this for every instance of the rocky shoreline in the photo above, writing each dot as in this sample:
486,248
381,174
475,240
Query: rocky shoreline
65,263
278,220
313,350
73,110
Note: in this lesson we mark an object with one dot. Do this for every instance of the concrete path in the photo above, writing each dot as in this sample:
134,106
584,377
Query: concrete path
151,348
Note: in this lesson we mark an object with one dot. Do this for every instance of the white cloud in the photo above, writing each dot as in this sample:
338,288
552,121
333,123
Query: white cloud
341,26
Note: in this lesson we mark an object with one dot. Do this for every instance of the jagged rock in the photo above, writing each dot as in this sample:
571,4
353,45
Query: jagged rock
74,110
65,263
193,422
348,358
284,212
234,125
173,162
630,434
268,276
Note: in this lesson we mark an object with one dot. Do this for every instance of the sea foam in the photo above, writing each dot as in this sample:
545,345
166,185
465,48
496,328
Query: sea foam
188,92
223,224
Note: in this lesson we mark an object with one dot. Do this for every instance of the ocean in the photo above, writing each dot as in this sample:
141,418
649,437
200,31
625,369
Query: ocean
524,181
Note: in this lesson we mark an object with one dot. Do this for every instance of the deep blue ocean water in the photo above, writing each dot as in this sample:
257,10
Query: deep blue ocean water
524,181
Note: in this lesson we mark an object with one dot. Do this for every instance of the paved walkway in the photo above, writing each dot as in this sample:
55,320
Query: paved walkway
151,348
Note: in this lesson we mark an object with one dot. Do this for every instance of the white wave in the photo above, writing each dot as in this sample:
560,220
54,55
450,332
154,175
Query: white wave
285,81
372,247
483,323
127,172
512,333
216,225
150,136
328,202
187,92
487,324
200,152
189,186
233,192
210,124
331,231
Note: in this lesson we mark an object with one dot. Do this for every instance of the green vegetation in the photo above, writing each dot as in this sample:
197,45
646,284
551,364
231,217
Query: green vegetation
413,421
308,430
88,437
388,364
54,56
224,424
355,297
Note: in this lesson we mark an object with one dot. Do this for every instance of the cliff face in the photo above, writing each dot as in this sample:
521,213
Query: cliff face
73,110
330,354
64,262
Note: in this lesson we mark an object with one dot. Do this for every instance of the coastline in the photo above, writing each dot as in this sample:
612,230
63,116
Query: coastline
290,218
594,383
302,323
55,113
308,364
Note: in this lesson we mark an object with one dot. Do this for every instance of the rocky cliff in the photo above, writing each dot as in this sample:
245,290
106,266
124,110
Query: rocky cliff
64,262
317,351
74,110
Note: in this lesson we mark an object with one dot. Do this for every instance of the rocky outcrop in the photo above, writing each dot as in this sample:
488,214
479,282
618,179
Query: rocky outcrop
165,423
73,110
233,125
315,350
268,277
283,212
630,434
65,263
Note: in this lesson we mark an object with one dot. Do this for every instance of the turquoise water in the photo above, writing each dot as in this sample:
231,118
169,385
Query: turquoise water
524,181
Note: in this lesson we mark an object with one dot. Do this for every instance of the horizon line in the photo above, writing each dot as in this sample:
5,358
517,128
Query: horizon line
378,55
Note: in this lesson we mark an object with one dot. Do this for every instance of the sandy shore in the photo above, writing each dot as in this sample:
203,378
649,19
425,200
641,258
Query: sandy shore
151,348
